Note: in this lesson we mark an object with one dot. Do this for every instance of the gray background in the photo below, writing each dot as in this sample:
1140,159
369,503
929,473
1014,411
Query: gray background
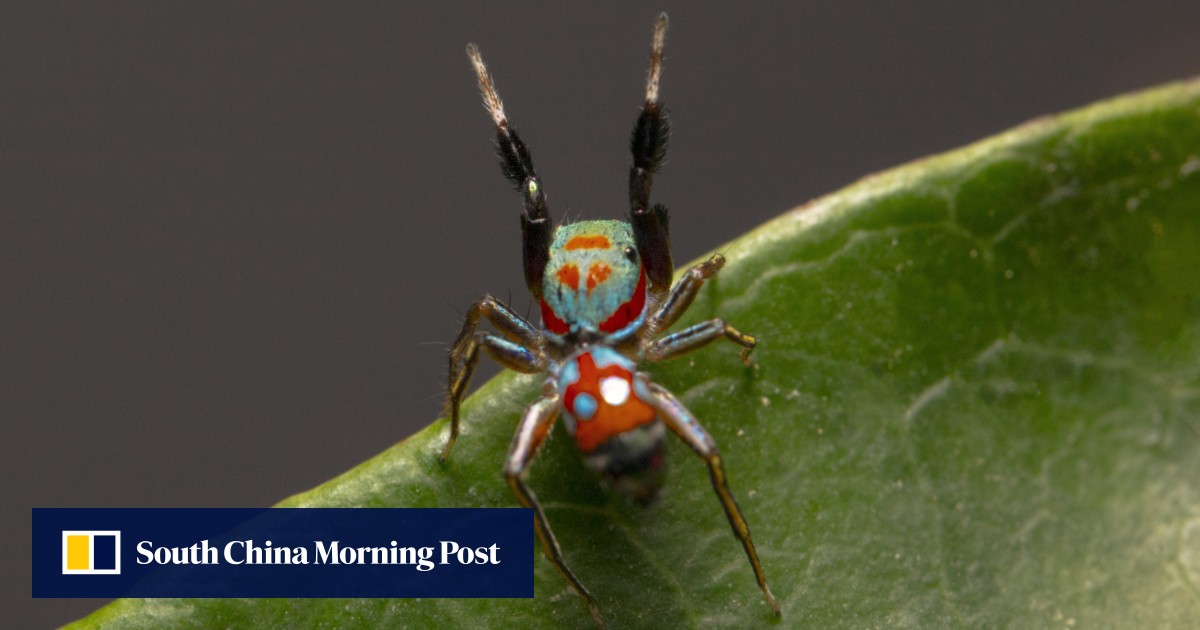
235,239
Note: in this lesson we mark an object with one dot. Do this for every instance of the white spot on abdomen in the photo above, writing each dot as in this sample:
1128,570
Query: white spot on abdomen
614,390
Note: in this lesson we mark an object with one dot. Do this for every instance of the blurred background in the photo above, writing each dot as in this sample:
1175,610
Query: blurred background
236,238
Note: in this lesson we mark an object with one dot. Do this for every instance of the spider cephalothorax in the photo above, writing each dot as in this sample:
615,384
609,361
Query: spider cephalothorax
604,288
593,283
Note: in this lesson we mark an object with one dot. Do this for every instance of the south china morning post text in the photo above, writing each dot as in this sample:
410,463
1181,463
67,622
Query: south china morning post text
320,552
283,552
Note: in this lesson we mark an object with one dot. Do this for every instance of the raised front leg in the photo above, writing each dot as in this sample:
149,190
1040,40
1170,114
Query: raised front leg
651,133
537,229
520,349
537,422
684,424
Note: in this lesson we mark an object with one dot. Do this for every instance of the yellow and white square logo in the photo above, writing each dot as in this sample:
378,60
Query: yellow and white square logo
91,552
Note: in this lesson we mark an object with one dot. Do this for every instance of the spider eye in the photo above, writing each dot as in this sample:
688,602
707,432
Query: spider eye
630,254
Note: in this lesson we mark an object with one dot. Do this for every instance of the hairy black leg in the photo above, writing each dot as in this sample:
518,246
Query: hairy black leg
651,134
536,227
684,424
536,423
683,294
507,353
698,336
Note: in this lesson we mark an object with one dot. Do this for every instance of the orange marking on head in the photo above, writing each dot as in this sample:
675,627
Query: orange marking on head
591,241
597,274
568,274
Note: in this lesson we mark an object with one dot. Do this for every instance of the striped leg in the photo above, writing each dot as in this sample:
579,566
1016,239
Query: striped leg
536,423
520,349
698,336
507,322
683,293
684,424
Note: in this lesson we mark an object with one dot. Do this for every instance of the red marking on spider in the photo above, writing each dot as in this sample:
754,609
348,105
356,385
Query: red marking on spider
594,241
609,419
628,311
551,321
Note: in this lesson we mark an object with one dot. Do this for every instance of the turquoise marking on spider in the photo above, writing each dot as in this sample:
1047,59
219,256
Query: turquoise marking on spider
585,407
605,356
568,375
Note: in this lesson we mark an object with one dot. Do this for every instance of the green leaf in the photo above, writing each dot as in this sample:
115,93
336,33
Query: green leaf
976,402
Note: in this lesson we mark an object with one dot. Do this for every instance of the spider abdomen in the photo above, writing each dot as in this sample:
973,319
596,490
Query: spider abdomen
607,409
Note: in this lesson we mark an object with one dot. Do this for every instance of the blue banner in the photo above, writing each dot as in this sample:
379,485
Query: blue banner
282,552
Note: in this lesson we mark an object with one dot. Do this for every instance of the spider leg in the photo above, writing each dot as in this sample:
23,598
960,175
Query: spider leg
537,229
507,322
684,293
520,349
697,336
651,134
532,431
684,424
